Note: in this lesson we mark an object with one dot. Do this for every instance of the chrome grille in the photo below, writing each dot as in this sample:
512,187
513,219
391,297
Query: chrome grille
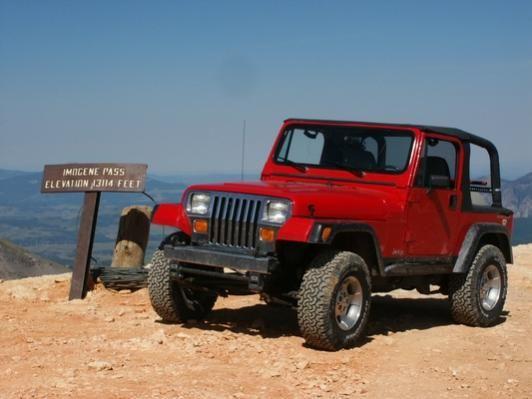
234,220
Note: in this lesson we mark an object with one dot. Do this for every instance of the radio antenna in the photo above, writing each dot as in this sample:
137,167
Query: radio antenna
243,150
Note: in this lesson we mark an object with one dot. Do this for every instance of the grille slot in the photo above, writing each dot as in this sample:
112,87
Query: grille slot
234,220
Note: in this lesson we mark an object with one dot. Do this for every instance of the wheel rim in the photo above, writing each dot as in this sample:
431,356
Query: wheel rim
348,304
490,287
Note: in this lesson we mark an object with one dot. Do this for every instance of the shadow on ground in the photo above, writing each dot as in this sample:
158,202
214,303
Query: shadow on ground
388,314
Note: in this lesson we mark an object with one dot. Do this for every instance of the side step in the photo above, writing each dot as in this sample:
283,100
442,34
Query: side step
417,269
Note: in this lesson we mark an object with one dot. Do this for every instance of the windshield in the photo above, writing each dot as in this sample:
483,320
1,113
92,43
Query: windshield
341,147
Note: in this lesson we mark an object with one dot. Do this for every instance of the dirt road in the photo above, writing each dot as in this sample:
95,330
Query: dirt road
112,345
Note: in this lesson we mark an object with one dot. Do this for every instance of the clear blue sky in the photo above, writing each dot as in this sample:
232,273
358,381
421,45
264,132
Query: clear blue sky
169,83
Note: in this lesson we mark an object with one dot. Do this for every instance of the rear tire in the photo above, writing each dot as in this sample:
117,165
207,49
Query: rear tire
172,302
477,298
334,300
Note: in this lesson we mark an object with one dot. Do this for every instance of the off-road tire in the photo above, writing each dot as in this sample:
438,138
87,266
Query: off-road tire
317,297
172,302
464,290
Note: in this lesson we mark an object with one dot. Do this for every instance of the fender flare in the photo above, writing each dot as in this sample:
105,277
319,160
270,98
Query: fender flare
472,240
338,228
171,215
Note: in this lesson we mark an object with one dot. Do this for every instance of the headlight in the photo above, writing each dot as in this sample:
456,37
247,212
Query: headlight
198,203
276,212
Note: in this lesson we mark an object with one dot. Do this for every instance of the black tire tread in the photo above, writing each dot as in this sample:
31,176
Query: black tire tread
316,289
167,297
161,290
465,308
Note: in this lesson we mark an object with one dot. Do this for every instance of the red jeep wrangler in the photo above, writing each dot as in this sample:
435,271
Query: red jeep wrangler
342,209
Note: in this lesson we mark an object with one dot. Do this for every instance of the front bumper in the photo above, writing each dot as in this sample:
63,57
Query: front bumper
221,259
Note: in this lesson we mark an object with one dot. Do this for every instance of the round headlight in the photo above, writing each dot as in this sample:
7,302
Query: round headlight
198,203
276,212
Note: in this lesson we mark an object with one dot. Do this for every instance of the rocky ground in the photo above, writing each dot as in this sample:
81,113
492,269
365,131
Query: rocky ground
112,345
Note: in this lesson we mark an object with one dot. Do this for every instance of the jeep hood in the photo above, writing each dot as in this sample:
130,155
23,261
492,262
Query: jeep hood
318,200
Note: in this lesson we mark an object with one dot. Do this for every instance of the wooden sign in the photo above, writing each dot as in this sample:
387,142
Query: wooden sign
92,179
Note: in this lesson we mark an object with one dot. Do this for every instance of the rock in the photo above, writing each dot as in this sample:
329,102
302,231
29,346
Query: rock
324,387
348,390
44,297
109,319
124,292
182,335
22,292
227,336
61,384
159,337
501,366
303,364
273,373
71,373
100,365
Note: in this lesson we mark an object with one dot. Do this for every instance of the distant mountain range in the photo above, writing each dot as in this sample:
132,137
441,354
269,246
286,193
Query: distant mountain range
517,195
47,224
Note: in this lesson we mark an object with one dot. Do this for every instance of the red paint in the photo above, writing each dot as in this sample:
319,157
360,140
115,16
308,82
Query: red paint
296,229
172,215
408,220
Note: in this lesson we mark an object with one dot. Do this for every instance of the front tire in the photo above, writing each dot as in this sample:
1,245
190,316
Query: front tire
477,298
170,301
334,300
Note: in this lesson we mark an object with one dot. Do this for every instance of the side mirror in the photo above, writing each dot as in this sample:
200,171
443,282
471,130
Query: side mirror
439,181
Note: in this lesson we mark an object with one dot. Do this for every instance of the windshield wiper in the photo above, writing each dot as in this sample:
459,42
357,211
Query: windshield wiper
298,166
339,165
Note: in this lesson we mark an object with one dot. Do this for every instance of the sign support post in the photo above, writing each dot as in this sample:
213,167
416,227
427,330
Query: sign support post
81,279
91,179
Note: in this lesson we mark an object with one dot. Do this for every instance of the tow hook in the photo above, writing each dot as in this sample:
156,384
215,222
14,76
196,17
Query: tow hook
256,282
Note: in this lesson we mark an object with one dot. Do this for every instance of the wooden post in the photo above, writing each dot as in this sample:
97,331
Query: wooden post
132,237
87,226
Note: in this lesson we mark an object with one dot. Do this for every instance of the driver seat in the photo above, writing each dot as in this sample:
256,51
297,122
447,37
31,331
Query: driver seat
356,157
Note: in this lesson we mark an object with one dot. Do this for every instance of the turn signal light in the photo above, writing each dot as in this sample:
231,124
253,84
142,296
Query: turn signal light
200,226
326,233
266,234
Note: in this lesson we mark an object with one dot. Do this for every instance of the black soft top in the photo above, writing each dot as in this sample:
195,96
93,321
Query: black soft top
448,131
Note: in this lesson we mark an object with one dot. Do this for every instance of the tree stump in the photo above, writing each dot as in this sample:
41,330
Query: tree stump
132,237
